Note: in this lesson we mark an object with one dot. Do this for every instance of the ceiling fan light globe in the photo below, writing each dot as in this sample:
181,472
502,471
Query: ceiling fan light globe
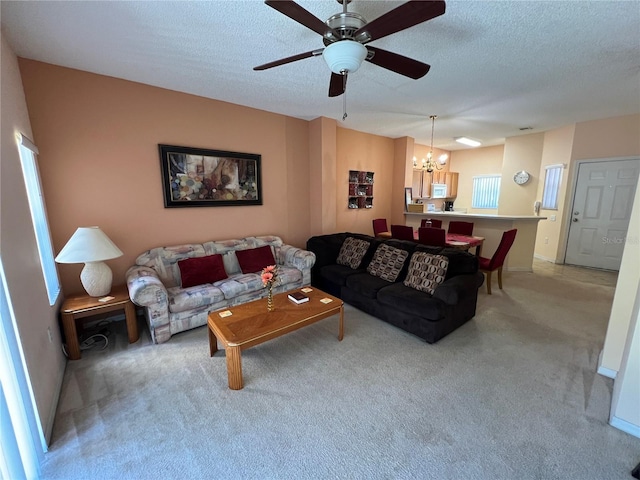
344,56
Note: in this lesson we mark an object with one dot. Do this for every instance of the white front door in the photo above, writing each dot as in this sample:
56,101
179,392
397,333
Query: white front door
601,211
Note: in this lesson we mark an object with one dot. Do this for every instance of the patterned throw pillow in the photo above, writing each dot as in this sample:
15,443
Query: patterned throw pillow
387,262
426,271
352,252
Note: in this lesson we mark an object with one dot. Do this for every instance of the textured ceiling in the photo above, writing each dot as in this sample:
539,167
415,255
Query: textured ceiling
496,66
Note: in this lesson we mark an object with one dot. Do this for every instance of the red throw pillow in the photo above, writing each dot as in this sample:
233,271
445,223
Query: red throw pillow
255,259
200,270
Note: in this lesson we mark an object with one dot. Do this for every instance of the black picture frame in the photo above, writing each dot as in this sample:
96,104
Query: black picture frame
197,177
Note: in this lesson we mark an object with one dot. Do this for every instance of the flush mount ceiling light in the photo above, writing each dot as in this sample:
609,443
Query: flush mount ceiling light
468,141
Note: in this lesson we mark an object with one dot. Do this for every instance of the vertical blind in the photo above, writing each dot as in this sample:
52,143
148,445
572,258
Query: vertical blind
552,180
28,153
486,190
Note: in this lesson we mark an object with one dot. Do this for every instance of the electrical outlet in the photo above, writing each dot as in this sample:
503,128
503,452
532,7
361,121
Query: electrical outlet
49,333
546,240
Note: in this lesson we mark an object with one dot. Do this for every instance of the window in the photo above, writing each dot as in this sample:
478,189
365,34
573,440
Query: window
486,190
28,152
552,180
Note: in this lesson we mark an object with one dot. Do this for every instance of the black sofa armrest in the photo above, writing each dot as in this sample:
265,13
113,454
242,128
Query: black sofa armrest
453,290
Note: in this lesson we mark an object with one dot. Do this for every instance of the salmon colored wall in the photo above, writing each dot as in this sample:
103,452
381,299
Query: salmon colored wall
472,162
98,139
402,177
322,159
361,151
607,138
23,279
520,153
557,149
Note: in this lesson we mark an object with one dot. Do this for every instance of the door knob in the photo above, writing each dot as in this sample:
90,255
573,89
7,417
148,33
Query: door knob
575,219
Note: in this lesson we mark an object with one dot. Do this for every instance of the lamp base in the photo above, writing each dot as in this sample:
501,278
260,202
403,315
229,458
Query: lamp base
96,278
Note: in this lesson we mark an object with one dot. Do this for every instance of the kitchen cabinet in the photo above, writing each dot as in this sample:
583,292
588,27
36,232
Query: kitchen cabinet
421,184
451,179
422,181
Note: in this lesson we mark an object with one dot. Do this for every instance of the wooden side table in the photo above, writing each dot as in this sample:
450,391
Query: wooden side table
81,306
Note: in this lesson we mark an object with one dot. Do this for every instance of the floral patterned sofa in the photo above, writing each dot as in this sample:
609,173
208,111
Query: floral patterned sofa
155,281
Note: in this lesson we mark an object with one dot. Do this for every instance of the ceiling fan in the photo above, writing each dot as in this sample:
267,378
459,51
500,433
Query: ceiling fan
345,35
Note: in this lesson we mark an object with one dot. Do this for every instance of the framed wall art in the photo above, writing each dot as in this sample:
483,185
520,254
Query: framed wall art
195,177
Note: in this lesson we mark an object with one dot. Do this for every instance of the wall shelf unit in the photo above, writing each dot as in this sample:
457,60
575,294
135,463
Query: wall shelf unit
360,189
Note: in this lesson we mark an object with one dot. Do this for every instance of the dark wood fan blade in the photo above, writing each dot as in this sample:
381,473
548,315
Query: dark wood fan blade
397,63
294,11
337,84
406,15
294,58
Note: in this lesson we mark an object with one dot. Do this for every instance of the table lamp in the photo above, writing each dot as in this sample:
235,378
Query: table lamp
89,245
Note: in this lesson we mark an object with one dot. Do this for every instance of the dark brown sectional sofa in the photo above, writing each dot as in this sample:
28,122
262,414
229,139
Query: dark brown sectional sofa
429,316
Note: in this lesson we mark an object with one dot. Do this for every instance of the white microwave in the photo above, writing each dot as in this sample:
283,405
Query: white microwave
438,190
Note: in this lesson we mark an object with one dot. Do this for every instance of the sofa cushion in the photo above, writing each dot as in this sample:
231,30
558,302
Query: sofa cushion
255,259
352,252
460,262
387,262
199,270
366,285
411,301
185,299
338,273
240,284
426,271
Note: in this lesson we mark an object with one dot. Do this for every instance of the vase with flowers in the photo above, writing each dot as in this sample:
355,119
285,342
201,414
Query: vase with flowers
269,278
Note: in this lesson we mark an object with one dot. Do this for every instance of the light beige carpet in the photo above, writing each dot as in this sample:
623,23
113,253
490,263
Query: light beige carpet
513,394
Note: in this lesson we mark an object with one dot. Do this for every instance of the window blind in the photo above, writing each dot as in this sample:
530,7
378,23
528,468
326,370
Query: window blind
31,175
486,190
552,181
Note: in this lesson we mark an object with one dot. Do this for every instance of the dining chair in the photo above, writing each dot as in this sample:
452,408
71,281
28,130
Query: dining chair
461,228
489,265
434,223
402,232
380,228
432,236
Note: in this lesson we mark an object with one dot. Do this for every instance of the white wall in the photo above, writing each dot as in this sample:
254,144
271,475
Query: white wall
19,253
623,300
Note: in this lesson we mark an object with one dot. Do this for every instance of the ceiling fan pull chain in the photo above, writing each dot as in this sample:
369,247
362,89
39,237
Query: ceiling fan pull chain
344,95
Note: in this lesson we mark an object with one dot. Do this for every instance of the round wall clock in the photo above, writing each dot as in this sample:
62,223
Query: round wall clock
521,177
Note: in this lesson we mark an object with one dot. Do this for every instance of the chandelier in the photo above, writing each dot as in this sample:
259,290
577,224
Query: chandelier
430,164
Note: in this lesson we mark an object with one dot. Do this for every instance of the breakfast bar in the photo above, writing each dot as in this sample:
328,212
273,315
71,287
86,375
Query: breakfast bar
491,227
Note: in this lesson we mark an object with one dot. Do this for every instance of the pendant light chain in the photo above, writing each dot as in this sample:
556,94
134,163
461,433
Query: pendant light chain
344,95
433,123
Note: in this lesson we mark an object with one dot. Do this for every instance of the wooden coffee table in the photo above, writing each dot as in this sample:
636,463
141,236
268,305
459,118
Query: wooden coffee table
251,324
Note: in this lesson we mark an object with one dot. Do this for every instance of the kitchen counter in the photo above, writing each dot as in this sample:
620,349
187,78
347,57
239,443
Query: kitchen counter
491,227
461,216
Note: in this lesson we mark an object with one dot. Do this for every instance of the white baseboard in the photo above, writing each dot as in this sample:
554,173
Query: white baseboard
519,269
540,257
604,371
625,426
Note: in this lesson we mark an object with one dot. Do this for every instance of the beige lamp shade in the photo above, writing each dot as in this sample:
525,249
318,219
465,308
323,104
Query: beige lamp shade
90,245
